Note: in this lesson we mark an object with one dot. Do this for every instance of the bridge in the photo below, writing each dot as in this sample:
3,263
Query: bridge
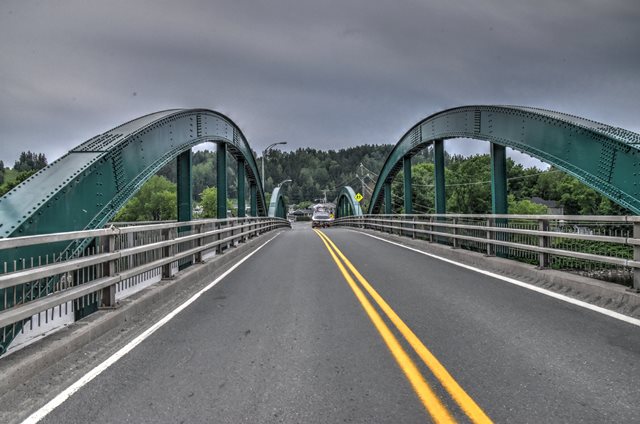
381,318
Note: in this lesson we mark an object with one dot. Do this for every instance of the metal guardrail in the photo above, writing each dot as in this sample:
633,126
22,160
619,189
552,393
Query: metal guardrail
603,247
118,257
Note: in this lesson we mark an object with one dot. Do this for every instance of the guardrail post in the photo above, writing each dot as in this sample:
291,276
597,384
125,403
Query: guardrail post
109,270
168,251
491,251
413,227
636,257
431,229
543,241
197,258
218,226
454,235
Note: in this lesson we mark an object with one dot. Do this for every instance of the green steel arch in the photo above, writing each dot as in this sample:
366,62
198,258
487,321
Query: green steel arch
86,187
277,208
347,205
603,157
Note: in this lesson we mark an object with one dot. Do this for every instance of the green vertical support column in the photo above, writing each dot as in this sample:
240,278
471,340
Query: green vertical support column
221,156
184,186
387,198
499,191
240,174
498,179
254,199
184,197
440,192
408,206
438,162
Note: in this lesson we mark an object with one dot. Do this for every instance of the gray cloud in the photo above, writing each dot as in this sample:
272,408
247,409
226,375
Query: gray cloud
324,74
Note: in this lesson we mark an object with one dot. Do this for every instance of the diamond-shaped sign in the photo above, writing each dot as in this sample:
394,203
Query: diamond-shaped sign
359,197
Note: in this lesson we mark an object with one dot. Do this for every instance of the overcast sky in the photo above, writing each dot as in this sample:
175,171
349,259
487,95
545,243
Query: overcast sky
325,74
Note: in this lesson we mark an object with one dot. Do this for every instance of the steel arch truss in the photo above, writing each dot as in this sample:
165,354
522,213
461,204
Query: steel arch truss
347,204
86,187
277,208
603,157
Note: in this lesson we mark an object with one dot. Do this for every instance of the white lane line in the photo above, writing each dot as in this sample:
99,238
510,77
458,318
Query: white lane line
604,311
69,391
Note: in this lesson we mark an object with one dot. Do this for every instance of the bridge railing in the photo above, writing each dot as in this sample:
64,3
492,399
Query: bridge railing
603,247
117,262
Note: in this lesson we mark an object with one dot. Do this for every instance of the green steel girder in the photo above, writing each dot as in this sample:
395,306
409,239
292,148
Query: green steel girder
603,157
347,196
277,208
87,186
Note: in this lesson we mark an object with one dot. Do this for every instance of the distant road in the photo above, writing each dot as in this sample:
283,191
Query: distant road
288,338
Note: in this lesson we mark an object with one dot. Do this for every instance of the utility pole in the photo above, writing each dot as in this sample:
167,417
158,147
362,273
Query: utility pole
361,177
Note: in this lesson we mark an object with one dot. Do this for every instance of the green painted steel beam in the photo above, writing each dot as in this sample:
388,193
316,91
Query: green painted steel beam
86,187
221,179
408,206
499,203
348,196
388,207
240,183
254,199
184,188
440,190
277,207
603,157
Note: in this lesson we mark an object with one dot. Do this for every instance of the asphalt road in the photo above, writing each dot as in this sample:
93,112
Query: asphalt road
284,339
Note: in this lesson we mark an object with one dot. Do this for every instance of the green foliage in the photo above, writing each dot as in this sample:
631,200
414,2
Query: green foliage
525,207
155,201
468,189
14,180
209,202
30,161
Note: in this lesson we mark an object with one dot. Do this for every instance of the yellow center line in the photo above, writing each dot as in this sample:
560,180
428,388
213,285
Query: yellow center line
427,396
468,405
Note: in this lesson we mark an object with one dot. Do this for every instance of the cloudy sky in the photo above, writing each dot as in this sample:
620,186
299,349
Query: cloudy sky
324,73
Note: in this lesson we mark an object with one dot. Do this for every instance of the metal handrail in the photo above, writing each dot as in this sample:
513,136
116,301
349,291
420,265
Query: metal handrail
244,228
493,236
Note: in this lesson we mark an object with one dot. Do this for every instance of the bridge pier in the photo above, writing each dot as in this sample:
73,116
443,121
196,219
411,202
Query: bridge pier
240,182
221,180
408,206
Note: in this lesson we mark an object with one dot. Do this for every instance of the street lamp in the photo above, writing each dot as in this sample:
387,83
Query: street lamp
264,153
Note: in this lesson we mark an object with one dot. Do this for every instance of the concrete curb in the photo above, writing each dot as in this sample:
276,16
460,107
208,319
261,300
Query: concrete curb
607,295
23,364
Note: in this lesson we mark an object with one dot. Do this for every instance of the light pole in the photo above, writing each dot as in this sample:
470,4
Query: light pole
264,153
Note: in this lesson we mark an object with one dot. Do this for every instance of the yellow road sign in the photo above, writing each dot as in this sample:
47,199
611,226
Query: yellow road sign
359,197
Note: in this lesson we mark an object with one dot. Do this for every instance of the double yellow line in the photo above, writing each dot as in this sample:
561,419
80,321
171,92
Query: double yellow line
428,397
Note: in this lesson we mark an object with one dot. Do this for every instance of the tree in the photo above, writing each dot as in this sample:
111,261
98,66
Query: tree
30,161
155,201
209,202
469,185
525,207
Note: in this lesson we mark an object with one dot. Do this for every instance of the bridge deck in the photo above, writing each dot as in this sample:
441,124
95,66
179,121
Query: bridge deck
284,339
